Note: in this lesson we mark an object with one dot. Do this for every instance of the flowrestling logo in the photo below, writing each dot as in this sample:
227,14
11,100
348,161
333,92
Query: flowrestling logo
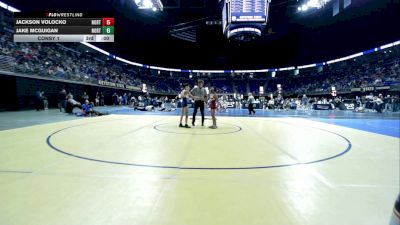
63,15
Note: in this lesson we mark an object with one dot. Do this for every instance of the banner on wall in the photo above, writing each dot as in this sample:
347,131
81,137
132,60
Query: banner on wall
116,85
347,105
366,89
322,107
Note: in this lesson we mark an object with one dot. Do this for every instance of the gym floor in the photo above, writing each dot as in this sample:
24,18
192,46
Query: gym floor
133,167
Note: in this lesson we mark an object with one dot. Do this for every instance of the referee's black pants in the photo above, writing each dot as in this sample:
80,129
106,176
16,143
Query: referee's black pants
198,104
251,108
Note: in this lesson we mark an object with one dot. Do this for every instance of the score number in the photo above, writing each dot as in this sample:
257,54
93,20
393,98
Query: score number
108,21
108,25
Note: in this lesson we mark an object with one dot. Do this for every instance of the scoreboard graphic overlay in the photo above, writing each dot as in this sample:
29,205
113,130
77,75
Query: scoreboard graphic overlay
63,27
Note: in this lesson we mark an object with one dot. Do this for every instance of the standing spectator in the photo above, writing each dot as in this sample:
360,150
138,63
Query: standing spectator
115,99
120,100
129,97
251,101
396,103
97,99
62,99
45,102
85,97
304,101
125,99
101,99
279,102
388,102
39,101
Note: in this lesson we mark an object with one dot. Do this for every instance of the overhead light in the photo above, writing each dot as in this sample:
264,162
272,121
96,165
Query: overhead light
312,4
147,4
154,5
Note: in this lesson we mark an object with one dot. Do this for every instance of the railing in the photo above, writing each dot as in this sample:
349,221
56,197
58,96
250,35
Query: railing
9,66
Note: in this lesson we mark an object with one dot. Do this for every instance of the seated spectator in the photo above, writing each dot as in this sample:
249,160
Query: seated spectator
71,104
87,108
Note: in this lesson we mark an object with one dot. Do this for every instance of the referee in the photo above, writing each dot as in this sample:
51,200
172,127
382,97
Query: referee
200,96
251,102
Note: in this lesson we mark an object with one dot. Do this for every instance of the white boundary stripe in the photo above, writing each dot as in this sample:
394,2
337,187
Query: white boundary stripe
208,71
128,62
164,69
287,68
387,46
9,7
3,5
12,9
307,66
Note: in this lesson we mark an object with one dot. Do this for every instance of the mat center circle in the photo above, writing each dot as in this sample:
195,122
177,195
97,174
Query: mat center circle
146,143
223,128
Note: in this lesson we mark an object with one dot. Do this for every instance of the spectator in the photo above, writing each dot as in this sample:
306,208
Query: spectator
125,99
39,101
62,99
87,108
45,102
85,97
101,99
115,99
72,104
97,99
